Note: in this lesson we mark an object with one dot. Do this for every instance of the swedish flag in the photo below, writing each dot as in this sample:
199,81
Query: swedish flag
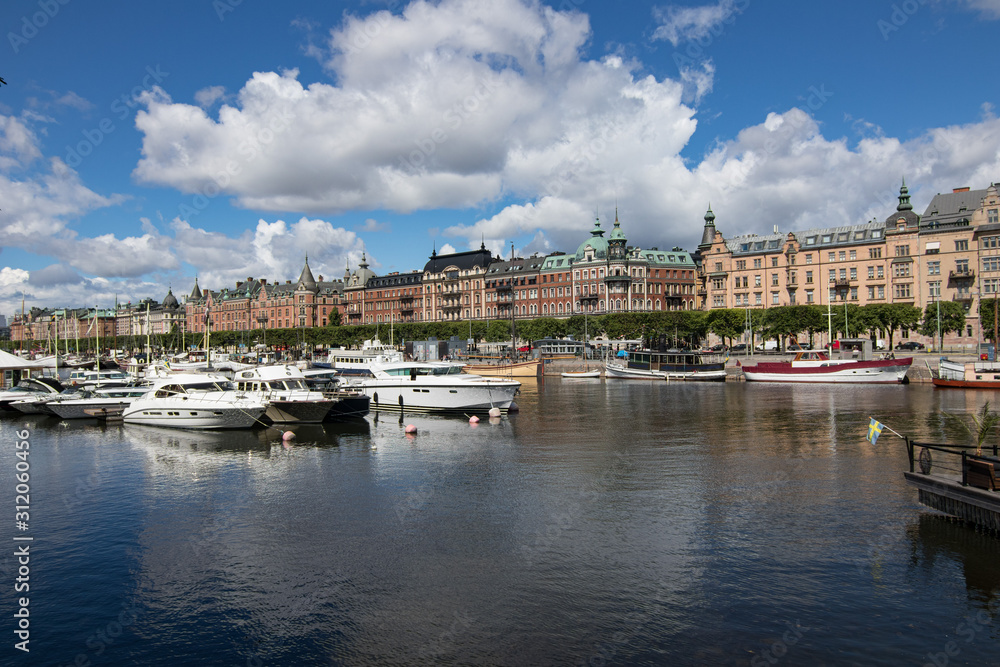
874,431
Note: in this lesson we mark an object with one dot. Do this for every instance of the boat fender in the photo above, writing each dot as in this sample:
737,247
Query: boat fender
494,412
287,435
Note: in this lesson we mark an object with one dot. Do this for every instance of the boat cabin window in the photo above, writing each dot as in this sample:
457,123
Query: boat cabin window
169,390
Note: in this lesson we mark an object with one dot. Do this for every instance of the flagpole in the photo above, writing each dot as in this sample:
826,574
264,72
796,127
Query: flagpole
900,435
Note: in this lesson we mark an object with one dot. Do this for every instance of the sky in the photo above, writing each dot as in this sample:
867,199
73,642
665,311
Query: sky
143,145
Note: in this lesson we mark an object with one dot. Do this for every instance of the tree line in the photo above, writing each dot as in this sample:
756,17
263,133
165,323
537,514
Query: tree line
673,328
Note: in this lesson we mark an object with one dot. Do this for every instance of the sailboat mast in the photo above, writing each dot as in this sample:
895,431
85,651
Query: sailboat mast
513,294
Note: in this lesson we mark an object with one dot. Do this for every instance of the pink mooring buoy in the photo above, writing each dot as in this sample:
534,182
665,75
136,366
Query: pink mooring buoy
473,419
410,428
287,435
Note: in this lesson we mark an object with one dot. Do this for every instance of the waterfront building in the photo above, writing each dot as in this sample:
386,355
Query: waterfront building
259,304
907,258
454,285
513,283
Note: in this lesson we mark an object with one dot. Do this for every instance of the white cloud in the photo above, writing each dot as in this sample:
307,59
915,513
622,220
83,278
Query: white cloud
686,24
372,225
447,249
206,97
988,9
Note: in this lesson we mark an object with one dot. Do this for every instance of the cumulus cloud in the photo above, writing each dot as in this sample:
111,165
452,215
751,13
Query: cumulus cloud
56,274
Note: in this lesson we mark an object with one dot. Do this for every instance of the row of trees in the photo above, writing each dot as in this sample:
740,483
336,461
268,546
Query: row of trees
676,328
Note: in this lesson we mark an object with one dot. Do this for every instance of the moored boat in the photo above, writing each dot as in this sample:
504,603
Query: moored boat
432,387
190,400
967,375
667,365
522,369
582,374
818,366
284,389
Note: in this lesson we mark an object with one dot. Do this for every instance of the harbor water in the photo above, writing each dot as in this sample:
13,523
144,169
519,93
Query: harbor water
630,523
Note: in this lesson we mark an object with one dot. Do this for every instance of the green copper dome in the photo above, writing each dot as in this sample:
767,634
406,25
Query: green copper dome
596,242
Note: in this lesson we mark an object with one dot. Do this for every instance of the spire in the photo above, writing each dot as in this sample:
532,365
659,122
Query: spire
196,292
708,235
904,199
482,246
306,279
364,262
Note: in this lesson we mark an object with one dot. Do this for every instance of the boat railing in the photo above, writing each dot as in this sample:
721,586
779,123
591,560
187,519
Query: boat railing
949,459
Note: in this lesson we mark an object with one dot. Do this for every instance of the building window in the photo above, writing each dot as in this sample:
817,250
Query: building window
962,246
991,216
774,261
842,256
989,242
871,272
774,298
741,265
990,285
833,275
854,294
854,255
809,258
831,256
961,266
934,268
902,291
757,263
880,271
902,251
991,263
809,277
934,289
874,253
809,296
854,273
757,298
901,270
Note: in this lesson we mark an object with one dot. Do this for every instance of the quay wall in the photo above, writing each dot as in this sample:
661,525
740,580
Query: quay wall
921,370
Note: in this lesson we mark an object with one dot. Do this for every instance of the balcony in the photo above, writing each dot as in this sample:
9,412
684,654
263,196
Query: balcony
968,274
841,283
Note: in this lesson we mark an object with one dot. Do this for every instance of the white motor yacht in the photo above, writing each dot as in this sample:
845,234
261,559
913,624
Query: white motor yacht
430,386
284,389
192,400
29,388
109,399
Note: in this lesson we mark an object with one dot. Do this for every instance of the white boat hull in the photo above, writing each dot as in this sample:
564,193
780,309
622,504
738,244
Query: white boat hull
189,413
77,409
452,396
626,373
582,374
846,373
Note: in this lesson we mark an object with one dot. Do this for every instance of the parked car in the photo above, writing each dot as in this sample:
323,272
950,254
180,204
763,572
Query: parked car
718,348
796,347
910,345
739,347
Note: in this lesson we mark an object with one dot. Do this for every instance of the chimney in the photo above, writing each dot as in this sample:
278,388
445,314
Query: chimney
250,279
321,277
965,189
288,282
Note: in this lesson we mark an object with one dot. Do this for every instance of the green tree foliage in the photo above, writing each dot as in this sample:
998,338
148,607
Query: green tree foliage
894,316
952,318
727,323
988,314
334,318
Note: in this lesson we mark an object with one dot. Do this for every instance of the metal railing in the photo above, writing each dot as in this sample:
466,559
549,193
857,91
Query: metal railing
954,458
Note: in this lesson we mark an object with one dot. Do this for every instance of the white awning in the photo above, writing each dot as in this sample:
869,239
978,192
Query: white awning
936,245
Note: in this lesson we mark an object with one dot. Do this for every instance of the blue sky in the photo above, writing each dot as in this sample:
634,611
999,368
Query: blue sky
144,144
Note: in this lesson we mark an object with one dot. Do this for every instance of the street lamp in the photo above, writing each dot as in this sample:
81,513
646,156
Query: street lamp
262,320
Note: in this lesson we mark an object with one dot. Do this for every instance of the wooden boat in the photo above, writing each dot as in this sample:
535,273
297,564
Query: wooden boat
582,374
523,369
968,375
817,366
668,365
